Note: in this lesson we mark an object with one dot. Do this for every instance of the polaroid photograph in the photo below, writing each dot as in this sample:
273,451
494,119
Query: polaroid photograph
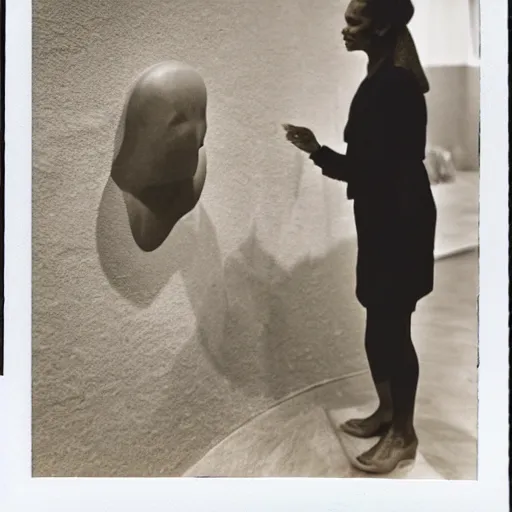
255,255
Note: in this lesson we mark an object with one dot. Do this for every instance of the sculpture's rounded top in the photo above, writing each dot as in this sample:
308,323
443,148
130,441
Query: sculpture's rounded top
167,88
162,128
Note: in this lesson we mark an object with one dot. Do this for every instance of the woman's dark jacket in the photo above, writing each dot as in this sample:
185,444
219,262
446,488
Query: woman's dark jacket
394,208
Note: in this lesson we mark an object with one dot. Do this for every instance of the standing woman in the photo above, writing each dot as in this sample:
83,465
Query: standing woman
394,211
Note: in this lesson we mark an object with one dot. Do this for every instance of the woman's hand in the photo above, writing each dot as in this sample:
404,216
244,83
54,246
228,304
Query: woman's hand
301,137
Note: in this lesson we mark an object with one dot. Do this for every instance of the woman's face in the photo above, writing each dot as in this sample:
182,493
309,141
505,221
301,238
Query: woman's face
358,33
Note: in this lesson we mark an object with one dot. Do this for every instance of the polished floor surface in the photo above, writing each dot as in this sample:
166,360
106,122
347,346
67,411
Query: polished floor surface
295,438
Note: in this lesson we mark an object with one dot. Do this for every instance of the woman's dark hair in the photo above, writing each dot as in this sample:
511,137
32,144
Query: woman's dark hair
394,13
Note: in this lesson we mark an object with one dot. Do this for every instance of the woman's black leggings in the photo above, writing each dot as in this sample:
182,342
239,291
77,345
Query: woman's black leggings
392,357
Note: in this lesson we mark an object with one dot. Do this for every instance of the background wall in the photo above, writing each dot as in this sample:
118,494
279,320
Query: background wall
447,37
446,32
142,362
454,112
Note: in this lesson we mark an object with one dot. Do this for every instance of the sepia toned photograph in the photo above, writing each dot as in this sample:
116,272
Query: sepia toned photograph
255,238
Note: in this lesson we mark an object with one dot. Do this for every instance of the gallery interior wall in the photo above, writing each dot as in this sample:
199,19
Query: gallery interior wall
447,37
143,361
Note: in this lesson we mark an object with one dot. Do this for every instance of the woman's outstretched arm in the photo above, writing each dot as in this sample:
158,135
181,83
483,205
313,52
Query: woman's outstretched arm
334,165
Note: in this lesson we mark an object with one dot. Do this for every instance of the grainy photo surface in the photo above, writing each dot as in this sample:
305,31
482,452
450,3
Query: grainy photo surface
255,238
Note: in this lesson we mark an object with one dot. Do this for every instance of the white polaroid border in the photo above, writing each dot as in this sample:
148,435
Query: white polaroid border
19,491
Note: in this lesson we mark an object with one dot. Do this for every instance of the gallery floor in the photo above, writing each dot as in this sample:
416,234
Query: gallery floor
296,438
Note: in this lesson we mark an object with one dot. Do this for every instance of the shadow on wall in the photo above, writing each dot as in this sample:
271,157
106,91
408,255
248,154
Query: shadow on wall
139,276
263,330
266,332
275,321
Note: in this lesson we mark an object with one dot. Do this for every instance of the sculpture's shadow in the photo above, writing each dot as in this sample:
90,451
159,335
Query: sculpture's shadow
265,327
140,276
263,332
271,330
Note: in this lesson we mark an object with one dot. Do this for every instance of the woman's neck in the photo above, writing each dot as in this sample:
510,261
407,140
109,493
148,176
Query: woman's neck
378,54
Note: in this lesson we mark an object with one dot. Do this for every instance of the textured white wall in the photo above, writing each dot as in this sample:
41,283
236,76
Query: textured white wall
141,362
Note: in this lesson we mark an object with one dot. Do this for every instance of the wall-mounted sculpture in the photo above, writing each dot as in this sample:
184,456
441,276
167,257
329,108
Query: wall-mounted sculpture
159,159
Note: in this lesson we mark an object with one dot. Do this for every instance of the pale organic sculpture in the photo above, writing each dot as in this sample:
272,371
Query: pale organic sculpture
159,159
